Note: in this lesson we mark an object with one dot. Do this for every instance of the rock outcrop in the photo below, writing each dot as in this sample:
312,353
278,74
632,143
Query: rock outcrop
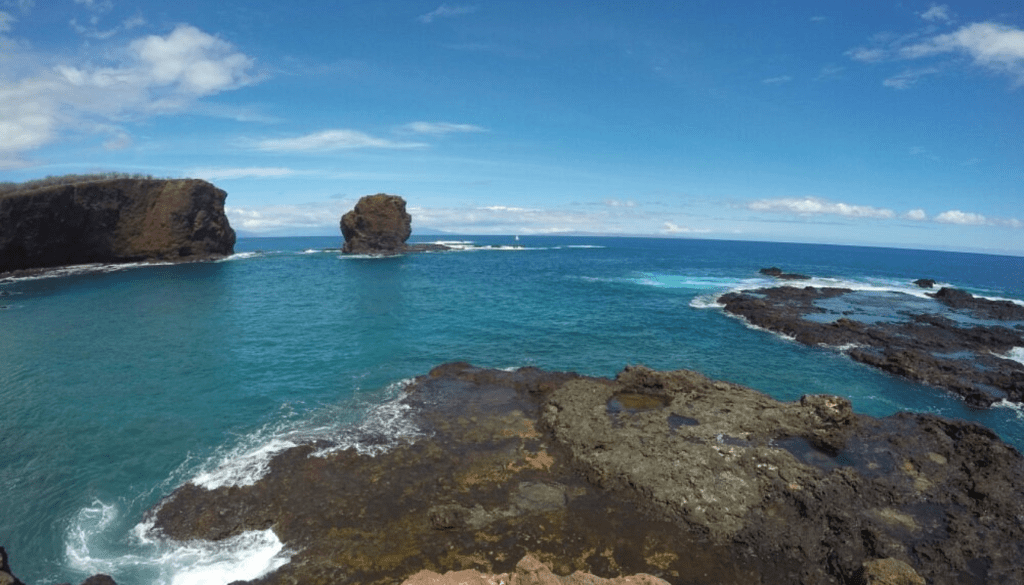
379,225
529,571
669,474
8,578
113,221
954,352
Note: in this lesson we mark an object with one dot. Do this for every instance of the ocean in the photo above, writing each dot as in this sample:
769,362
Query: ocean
120,383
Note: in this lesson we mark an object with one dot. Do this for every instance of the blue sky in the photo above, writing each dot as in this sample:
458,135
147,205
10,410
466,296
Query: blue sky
877,123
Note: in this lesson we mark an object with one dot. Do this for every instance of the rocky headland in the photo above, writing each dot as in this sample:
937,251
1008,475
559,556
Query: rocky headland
957,342
379,225
112,221
668,474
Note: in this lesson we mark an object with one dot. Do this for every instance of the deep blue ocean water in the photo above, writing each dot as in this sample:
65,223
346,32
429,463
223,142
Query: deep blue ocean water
119,384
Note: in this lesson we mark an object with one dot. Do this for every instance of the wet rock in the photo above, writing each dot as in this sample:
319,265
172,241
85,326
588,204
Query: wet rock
113,221
591,474
924,347
981,308
925,282
8,578
777,272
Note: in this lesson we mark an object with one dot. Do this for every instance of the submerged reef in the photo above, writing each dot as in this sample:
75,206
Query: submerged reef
119,220
669,474
957,342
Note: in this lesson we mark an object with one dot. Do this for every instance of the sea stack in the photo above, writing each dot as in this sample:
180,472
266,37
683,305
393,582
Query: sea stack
112,221
377,225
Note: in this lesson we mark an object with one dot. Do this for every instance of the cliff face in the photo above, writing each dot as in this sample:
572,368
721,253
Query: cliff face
112,221
378,224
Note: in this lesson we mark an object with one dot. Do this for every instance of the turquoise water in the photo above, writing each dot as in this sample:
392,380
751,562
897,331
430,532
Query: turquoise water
118,385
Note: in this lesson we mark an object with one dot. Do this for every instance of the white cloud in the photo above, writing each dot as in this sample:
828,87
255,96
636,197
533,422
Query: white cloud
6,19
155,75
212,174
866,55
960,217
994,46
617,203
937,12
671,228
331,140
445,11
272,218
777,80
916,215
908,78
816,206
194,61
438,128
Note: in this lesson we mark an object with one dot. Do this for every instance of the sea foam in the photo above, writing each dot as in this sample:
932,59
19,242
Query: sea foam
91,547
382,427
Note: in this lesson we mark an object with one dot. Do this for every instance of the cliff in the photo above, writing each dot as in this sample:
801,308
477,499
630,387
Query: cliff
379,224
113,221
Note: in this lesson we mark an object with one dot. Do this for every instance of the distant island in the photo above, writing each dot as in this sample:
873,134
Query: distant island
111,218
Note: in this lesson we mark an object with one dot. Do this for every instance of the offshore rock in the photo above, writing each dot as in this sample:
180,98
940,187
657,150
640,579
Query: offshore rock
379,225
670,474
529,571
113,221
777,272
958,354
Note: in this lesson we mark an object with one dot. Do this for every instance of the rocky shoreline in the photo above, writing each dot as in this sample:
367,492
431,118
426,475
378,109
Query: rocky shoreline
956,342
670,474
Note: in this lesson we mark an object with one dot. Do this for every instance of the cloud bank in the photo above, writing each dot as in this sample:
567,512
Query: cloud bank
813,206
154,75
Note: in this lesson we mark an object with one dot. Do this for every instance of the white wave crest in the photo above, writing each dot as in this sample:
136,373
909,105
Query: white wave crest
1016,407
380,428
1016,354
92,546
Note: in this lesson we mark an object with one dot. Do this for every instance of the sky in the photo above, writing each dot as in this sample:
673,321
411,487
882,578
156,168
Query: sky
897,123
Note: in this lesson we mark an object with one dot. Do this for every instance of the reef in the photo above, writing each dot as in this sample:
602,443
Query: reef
668,474
379,225
957,342
113,221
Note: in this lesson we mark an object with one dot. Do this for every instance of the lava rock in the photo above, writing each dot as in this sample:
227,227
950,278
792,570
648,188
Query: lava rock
379,224
777,272
591,474
925,282
113,221
925,347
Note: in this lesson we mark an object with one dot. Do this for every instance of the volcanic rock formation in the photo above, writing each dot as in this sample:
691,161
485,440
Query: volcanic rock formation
379,225
956,354
665,473
113,221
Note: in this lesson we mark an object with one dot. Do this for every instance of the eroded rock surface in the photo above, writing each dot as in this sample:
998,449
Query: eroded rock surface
954,350
379,225
529,571
113,221
664,473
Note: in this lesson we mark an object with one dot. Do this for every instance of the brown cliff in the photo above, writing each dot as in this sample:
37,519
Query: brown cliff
113,221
